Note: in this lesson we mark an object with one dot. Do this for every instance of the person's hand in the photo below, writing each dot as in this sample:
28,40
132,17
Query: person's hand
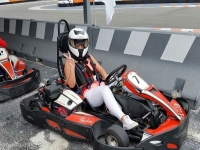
70,60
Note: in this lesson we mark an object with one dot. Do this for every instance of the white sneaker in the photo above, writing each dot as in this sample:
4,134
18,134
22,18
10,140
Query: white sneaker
129,123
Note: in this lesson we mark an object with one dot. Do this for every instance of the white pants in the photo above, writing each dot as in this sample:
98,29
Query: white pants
100,94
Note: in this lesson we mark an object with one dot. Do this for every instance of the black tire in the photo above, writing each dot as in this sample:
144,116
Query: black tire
25,72
35,106
116,136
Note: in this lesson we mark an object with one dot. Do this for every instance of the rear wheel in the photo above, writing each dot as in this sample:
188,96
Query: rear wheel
116,136
35,106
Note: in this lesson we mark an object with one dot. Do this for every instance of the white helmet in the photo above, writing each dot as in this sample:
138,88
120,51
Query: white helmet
78,36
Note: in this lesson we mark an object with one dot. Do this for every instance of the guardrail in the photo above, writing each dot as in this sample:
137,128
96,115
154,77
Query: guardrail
168,60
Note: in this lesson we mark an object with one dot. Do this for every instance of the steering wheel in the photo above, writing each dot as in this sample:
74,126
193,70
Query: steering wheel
115,74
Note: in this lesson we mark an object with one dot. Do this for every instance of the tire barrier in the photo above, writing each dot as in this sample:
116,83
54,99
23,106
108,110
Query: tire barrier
168,60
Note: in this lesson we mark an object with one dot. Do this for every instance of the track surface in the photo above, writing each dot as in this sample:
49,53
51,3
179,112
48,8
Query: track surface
17,134
150,16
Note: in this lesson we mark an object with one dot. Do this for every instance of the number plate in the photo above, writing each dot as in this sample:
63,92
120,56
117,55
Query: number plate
137,80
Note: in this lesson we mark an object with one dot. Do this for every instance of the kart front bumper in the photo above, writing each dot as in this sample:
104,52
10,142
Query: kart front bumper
13,88
167,140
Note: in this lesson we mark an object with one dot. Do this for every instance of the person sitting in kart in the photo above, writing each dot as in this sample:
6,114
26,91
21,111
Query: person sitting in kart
90,75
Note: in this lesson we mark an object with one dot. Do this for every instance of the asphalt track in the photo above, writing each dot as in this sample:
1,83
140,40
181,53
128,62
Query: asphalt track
154,16
17,134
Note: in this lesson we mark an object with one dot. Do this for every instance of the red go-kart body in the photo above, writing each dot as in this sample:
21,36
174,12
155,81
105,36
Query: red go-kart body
163,121
15,78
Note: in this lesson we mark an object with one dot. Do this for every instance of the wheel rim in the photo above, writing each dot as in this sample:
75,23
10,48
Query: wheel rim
112,141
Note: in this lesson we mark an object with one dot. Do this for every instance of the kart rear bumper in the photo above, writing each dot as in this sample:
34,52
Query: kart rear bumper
41,118
13,88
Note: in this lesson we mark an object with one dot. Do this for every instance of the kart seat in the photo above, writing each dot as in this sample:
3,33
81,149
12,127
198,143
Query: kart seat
97,109
62,45
63,42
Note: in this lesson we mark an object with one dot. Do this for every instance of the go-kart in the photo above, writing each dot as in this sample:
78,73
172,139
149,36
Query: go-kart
163,121
15,78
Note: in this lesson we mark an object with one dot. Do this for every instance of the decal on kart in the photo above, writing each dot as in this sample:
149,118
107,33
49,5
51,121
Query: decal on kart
178,109
137,80
69,99
9,69
85,120
82,118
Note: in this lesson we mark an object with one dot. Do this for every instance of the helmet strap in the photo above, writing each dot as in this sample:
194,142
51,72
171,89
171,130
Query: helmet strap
80,52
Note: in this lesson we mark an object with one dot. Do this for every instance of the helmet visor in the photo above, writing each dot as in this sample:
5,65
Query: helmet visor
76,42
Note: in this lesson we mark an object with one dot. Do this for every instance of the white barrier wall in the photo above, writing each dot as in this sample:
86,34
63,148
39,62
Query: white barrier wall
168,60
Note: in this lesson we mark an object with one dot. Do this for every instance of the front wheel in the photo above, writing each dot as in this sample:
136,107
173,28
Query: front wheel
116,136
